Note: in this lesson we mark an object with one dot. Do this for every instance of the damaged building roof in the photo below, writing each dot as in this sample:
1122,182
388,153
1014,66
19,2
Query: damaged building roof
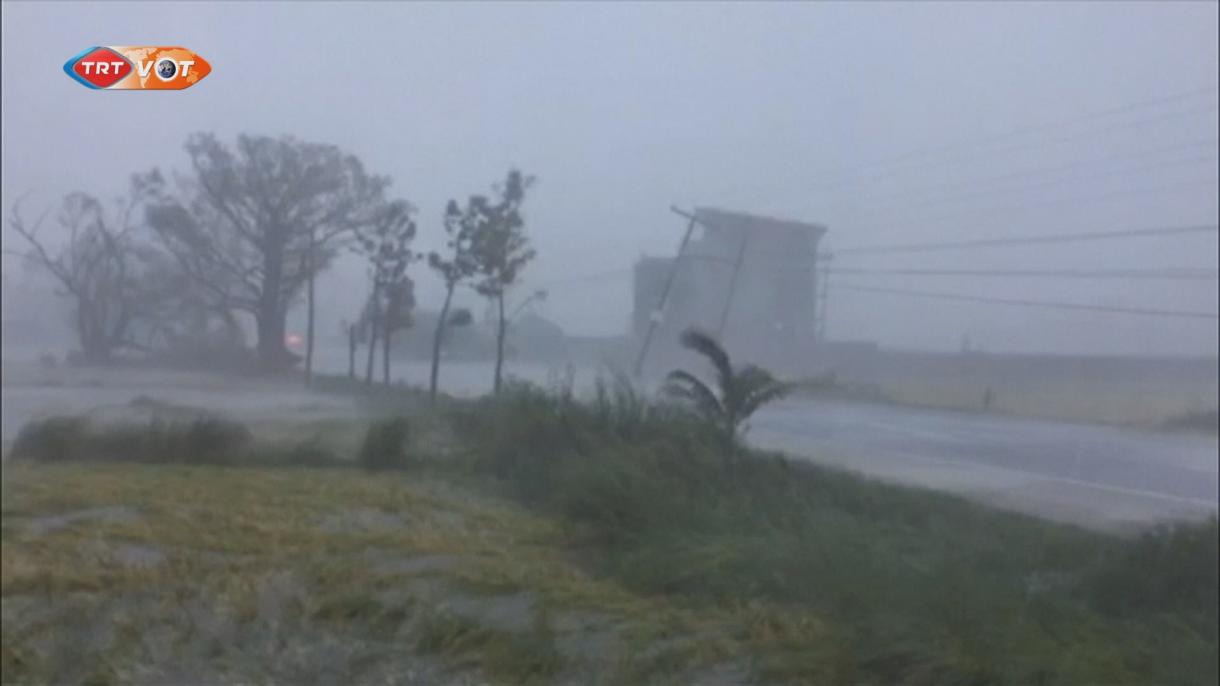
724,219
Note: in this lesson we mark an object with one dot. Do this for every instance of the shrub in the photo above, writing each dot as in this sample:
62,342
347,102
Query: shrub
212,439
385,444
203,440
50,440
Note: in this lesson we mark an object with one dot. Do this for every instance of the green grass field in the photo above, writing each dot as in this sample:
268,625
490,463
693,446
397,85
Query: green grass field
535,539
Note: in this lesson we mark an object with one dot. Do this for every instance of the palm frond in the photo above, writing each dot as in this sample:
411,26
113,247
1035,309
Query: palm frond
706,345
755,387
686,386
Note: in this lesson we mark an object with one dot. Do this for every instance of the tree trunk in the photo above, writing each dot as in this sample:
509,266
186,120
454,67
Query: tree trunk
385,354
309,317
500,329
92,347
436,342
374,317
271,350
351,351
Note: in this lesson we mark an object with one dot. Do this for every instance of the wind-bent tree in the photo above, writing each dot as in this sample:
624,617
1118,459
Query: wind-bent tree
501,250
255,223
399,302
461,225
738,394
386,242
95,264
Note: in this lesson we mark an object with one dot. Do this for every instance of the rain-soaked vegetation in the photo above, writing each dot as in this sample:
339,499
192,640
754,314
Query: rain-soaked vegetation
608,344
619,512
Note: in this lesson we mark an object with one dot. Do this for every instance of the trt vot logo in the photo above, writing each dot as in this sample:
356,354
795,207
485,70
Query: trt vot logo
137,68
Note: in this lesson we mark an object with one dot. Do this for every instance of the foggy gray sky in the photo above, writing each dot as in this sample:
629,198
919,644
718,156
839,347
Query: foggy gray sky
622,110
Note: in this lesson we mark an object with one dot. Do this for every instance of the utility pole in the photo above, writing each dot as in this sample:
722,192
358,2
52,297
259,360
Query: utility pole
822,287
655,316
728,299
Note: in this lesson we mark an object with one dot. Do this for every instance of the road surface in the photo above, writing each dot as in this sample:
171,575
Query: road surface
1099,476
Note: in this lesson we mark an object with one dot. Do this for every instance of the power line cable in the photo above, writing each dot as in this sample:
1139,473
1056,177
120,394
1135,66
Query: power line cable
1048,126
596,276
1050,182
824,182
994,211
1191,314
1016,148
1029,240
1208,145
835,178
1166,273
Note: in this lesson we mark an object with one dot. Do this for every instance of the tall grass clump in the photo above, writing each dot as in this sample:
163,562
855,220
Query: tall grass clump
1173,569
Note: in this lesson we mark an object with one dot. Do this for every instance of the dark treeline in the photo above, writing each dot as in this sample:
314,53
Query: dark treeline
167,270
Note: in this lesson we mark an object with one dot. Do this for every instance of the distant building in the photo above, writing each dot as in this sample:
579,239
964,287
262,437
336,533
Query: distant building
766,313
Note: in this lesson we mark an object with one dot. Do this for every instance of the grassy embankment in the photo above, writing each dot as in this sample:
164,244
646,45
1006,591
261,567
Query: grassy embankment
535,538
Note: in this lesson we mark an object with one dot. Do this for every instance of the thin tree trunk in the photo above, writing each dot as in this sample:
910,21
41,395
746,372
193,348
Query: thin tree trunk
309,317
374,323
499,341
385,354
436,343
351,351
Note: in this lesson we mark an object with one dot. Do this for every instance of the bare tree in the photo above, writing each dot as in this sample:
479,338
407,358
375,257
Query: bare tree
255,223
95,266
501,250
461,225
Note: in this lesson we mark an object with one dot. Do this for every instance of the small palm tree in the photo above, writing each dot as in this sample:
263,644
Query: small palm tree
741,392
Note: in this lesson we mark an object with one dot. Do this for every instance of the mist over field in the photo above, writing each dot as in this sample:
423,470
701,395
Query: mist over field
617,343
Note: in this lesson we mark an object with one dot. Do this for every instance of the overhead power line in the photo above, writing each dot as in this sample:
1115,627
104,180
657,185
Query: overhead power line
1207,145
1166,273
1035,128
994,211
592,277
1029,240
1033,184
1151,312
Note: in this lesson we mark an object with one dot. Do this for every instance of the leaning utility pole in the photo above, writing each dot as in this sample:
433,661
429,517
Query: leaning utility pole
655,317
822,290
728,299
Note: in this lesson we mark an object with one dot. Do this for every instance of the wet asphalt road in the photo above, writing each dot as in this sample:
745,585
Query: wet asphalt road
1103,476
